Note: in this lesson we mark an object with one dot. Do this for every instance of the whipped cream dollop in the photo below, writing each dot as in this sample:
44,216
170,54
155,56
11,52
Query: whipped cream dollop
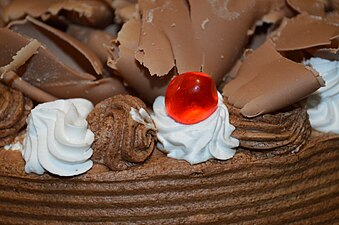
195,143
58,140
323,105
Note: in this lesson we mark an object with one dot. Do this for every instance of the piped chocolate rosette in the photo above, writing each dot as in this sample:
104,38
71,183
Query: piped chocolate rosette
124,132
14,109
272,134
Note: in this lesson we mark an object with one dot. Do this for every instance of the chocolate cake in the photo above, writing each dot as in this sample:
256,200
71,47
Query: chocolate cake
95,79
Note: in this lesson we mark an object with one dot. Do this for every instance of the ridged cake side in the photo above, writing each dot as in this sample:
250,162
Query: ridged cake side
287,189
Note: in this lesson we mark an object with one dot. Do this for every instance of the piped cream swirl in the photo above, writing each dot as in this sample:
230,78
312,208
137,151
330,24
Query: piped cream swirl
195,143
58,140
323,105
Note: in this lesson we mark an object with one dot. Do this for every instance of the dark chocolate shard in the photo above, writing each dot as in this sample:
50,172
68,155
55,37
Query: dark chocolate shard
267,82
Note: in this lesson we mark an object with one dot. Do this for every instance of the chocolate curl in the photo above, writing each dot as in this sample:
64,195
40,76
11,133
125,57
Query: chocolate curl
66,48
179,36
14,109
122,60
313,7
305,31
20,57
13,80
47,73
122,137
267,82
97,40
94,13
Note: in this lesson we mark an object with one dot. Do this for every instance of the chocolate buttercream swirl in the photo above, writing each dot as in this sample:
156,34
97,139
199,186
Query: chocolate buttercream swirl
124,132
14,109
272,134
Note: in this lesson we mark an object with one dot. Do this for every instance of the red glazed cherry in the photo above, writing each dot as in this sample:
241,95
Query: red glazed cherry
191,97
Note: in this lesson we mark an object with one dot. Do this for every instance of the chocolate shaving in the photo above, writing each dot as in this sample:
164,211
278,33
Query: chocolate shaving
272,134
45,72
267,82
13,80
120,141
179,36
67,49
14,109
305,31
313,7
97,40
94,13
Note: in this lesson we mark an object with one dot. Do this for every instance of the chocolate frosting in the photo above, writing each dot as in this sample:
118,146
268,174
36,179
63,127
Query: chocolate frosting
267,82
299,188
180,36
120,141
14,109
272,134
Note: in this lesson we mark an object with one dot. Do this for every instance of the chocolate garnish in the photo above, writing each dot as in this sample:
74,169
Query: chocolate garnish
313,7
122,60
125,10
44,71
181,36
94,13
120,141
13,80
14,109
267,82
67,49
272,134
97,40
305,31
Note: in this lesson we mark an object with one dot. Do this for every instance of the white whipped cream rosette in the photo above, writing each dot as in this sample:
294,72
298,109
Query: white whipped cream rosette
199,142
58,140
323,105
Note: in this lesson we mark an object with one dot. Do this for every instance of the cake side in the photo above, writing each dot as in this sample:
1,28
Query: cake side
290,189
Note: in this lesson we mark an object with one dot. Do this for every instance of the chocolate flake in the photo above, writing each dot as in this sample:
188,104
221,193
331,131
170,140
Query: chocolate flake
266,82
120,141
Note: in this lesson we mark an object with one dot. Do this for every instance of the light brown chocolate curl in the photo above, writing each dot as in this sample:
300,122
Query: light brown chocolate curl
267,82
120,140
14,109
97,40
67,49
47,72
313,7
87,12
180,36
305,31
272,134
11,79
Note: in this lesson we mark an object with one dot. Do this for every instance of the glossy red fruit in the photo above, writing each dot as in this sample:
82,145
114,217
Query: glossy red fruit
191,97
